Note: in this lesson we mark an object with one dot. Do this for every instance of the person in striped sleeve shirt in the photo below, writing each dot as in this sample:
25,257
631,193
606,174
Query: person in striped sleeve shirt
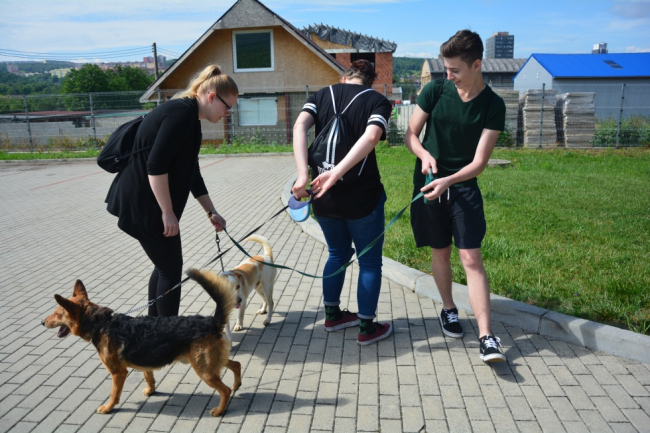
351,213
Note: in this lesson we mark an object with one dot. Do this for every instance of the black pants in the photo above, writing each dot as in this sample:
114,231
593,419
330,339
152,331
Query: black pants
167,257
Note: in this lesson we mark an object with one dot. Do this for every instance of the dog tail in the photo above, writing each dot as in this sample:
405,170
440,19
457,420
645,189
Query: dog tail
262,241
220,290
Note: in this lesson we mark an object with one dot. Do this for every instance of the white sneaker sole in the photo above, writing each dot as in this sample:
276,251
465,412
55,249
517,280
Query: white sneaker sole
495,357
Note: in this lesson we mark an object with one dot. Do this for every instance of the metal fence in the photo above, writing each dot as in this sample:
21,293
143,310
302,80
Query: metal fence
585,116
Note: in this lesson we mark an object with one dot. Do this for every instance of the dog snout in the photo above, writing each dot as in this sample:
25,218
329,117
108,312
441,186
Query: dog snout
43,322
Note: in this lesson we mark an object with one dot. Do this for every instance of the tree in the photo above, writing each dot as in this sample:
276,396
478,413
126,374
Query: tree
90,78
129,78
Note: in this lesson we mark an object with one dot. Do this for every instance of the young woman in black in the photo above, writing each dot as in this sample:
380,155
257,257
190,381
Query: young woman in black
348,213
149,195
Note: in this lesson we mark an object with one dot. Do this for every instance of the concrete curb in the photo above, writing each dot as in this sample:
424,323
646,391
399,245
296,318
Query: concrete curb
592,335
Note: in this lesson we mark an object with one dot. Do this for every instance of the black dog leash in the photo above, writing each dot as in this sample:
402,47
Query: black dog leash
218,257
342,268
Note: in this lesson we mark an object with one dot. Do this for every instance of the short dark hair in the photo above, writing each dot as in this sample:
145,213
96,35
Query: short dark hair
464,44
361,69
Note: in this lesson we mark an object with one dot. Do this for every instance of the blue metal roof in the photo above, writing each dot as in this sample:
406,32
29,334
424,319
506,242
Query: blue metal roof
594,65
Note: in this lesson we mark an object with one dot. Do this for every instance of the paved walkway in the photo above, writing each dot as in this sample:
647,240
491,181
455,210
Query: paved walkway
296,376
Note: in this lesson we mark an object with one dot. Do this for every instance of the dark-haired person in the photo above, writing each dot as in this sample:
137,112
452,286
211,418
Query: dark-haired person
463,121
149,195
348,213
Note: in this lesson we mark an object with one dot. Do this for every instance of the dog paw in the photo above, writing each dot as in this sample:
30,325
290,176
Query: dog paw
236,385
261,311
216,412
237,328
105,409
148,391
266,321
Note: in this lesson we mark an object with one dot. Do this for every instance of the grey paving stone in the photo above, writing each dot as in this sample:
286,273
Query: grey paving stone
576,426
639,419
632,386
594,421
548,420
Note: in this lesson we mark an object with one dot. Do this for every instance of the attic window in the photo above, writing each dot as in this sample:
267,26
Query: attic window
613,64
253,50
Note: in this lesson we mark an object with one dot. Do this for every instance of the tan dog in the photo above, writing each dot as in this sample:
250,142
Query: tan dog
252,275
148,343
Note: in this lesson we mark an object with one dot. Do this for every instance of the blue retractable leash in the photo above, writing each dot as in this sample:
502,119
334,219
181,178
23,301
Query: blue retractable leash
305,205
299,210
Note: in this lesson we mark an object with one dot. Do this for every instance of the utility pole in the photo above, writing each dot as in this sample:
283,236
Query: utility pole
155,60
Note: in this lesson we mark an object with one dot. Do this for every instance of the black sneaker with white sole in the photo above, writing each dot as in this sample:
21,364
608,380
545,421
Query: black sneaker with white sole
491,349
450,324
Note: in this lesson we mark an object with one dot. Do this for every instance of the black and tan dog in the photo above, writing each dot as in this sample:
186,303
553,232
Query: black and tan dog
149,343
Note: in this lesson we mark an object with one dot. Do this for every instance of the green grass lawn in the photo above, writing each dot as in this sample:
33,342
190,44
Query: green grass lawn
568,230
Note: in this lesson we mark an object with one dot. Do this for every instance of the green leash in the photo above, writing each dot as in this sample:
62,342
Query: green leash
342,268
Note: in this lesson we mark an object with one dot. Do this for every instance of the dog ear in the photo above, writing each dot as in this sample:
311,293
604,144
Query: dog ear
79,289
69,306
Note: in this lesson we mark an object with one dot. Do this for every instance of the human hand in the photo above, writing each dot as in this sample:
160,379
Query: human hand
429,164
323,182
218,222
298,190
170,222
435,189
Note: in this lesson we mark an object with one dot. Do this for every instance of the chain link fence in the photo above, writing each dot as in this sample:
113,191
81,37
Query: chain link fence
583,117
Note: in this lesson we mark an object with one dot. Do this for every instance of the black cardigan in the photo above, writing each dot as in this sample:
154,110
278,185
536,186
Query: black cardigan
174,130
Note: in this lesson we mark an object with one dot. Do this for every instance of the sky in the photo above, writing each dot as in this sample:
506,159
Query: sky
121,30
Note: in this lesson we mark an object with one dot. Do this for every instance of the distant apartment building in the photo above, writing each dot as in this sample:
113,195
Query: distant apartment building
600,48
500,45
60,72
13,68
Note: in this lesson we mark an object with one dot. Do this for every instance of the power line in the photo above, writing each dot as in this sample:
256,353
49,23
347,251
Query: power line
169,53
74,59
88,53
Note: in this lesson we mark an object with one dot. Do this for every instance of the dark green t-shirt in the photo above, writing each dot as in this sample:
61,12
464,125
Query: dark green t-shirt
454,127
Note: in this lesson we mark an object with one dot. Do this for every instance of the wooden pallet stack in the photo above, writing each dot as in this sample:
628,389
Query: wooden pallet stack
576,116
511,98
530,109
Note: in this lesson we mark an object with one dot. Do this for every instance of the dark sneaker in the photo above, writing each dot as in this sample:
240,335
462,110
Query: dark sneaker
346,320
380,331
450,324
491,349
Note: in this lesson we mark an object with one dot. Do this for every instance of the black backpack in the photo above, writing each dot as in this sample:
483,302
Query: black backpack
332,144
119,146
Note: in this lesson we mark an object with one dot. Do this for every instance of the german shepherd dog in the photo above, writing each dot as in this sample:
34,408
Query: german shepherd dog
149,343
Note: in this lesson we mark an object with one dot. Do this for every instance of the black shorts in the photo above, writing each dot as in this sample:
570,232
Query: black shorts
458,214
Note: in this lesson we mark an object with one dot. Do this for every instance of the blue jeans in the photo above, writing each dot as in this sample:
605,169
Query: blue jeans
339,234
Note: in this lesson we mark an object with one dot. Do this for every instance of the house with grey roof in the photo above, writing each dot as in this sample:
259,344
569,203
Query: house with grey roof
496,72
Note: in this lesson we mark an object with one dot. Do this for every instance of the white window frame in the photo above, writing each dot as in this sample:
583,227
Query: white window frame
244,100
234,51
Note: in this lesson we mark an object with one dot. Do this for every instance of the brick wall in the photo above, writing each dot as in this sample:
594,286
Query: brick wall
344,59
384,69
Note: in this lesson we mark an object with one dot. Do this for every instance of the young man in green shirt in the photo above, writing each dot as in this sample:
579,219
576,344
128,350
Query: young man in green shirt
463,117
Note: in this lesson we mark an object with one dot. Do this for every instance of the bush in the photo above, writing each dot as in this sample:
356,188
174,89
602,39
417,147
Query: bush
505,138
395,133
635,131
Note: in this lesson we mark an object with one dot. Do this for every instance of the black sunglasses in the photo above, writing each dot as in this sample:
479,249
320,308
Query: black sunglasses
225,103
